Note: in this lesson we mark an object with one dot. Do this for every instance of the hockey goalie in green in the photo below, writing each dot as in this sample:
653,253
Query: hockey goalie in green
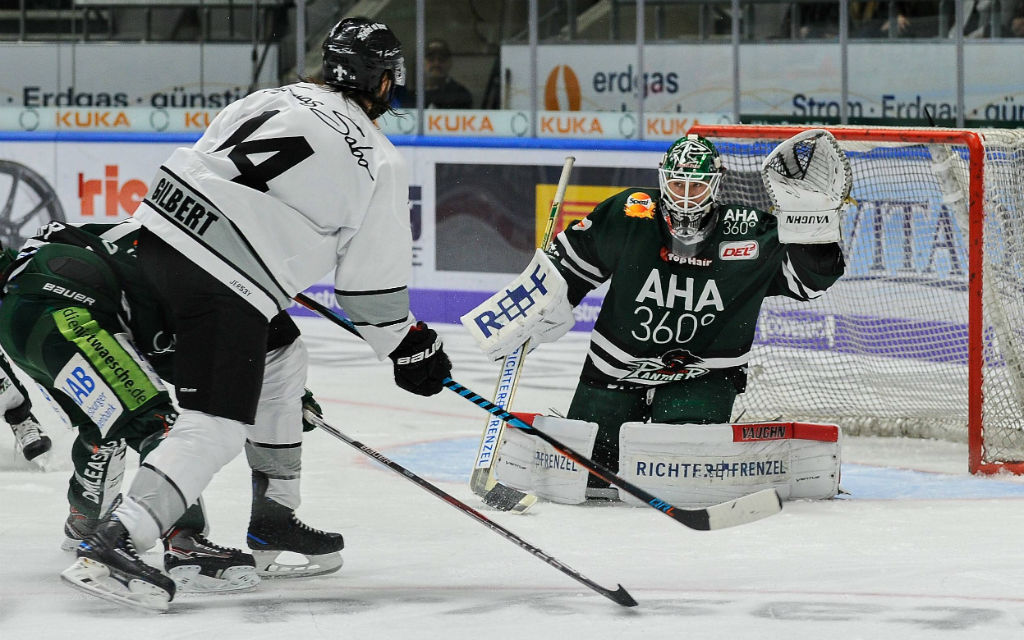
686,273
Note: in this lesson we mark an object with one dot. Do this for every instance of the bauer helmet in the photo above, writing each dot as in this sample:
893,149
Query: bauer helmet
357,52
689,177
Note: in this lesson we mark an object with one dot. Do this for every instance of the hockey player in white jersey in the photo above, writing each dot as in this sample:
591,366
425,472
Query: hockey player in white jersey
286,185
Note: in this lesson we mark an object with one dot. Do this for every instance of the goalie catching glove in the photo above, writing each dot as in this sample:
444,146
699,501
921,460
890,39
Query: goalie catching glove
808,178
421,365
535,307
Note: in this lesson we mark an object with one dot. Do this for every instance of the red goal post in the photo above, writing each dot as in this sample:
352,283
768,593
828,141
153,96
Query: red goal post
908,312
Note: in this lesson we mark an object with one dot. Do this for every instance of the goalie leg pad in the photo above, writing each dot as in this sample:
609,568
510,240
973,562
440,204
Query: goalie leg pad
529,464
704,464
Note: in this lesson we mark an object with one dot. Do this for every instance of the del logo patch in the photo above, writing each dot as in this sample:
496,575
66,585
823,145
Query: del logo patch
738,250
639,205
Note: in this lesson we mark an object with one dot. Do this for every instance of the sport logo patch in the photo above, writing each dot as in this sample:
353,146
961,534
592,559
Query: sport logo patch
738,250
677,364
78,380
668,256
639,205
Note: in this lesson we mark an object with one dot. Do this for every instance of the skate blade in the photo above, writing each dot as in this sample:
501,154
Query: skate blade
69,544
188,579
273,564
94,578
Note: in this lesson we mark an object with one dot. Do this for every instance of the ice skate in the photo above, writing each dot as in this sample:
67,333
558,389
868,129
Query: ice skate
108,567
76,528
30,438
78,525
275,534
200,566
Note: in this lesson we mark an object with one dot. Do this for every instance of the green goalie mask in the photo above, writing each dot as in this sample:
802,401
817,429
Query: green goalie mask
689,177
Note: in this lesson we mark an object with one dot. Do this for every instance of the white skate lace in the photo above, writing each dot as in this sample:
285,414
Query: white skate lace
198,542
303,525
129,546
26,432
204,542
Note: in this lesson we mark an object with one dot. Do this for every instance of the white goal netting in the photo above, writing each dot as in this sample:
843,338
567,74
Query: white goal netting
886,351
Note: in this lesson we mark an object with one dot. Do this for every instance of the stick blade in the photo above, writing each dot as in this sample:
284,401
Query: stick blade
748,508
505,498
621,596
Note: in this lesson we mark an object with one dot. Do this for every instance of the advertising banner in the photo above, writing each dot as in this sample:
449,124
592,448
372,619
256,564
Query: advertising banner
782,80
590,125
475,222
476,213
151,75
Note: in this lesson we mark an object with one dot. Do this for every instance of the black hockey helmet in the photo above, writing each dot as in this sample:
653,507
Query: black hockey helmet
357,52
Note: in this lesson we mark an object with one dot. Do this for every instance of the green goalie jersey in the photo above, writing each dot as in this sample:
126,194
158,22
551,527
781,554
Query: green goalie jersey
668,318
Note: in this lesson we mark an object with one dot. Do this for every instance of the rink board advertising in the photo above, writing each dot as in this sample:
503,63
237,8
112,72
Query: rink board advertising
476,223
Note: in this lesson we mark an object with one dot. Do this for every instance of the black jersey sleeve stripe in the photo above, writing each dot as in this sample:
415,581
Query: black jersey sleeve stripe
368,292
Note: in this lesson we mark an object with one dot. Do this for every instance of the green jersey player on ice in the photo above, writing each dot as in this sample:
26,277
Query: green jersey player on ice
80,318
687,272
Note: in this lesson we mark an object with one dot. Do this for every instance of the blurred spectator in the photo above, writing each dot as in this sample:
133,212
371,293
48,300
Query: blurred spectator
979,19
443,91
1015,27
912,19
811,20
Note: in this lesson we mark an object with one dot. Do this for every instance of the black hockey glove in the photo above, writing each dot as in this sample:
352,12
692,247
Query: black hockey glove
310,404
421,365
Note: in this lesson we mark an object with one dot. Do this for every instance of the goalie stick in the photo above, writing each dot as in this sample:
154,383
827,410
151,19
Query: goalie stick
742,510
482,481
619,596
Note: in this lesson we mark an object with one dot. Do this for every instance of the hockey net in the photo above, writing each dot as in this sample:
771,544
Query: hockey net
924,334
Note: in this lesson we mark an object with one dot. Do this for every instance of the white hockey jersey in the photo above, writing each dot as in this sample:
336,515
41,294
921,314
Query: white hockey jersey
288,185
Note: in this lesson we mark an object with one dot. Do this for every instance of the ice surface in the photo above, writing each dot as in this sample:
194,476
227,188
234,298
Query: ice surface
919,550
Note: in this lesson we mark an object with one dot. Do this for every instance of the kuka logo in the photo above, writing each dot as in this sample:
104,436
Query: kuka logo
117,199
562,90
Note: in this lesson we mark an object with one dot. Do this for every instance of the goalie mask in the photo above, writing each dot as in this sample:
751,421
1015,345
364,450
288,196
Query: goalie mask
357,52
689,177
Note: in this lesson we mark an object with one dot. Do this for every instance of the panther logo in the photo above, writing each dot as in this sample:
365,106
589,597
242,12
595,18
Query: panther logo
677,364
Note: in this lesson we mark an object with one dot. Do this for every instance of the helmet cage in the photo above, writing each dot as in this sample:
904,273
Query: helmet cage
689,177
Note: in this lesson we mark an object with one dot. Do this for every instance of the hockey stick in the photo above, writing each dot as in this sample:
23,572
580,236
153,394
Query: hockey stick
482,480
742,510
619,596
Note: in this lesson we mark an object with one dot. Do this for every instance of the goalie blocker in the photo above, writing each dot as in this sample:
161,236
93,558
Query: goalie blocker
690,465
534,307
